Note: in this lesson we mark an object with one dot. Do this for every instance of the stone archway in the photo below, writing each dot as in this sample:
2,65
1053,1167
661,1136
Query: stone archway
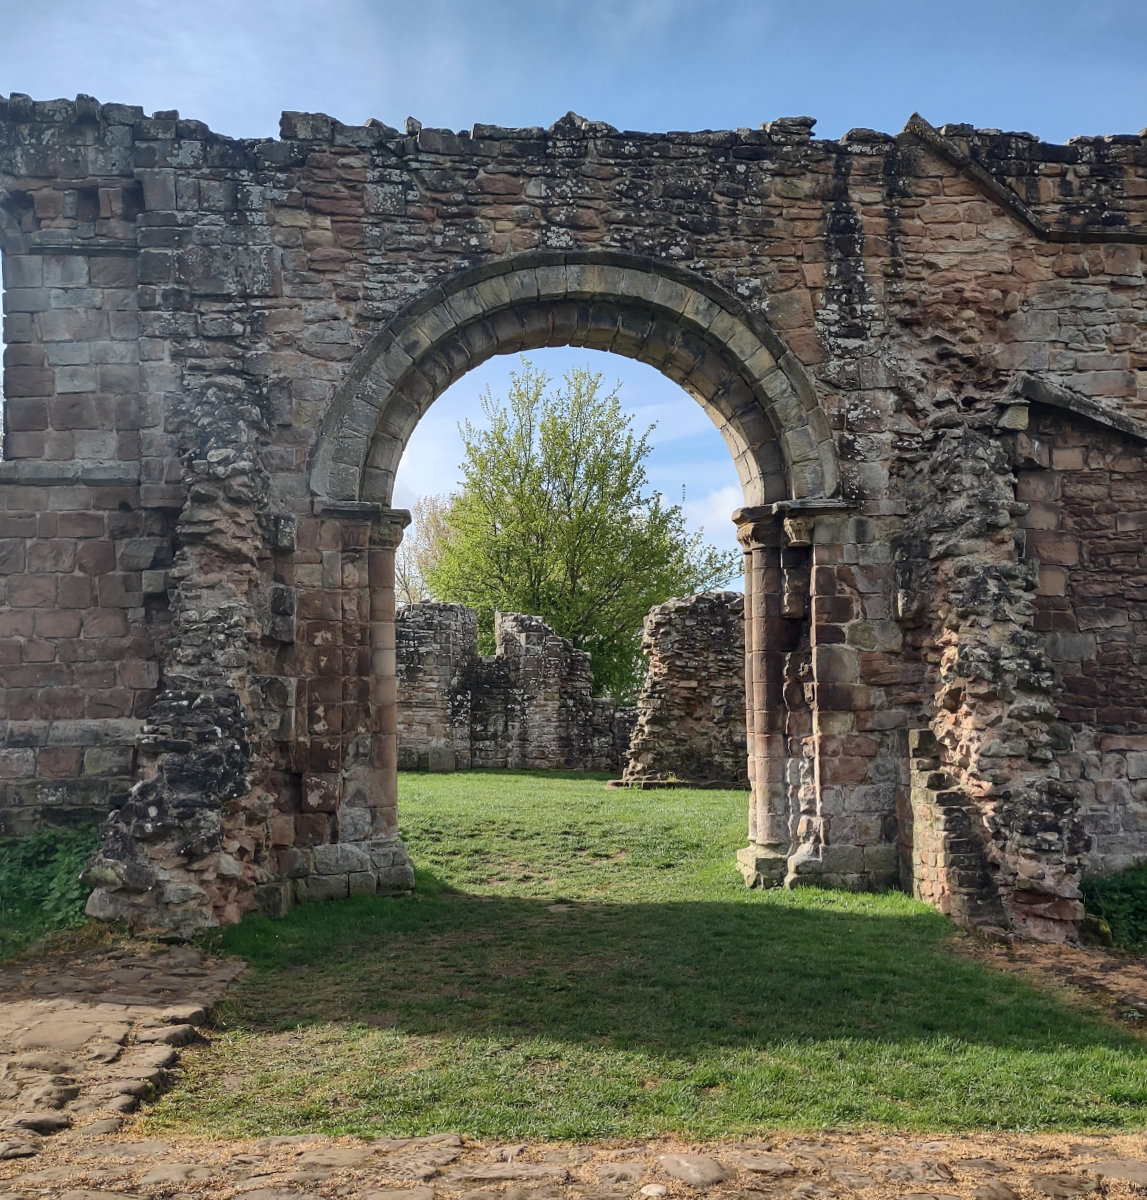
765,408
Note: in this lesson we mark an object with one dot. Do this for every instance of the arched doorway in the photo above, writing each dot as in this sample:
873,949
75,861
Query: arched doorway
764,406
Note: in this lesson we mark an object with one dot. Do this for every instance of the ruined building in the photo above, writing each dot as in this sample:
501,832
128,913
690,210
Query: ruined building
926,352
530,704
690,724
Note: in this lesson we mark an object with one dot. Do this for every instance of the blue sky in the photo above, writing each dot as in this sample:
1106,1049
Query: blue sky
1056,68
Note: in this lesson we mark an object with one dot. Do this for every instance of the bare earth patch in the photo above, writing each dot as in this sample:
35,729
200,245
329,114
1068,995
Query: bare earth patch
1113,982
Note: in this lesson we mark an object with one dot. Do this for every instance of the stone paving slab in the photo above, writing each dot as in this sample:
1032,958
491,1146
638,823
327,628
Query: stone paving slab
83,1164
87,1037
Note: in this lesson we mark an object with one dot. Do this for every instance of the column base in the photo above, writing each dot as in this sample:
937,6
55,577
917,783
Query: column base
762,866
380,866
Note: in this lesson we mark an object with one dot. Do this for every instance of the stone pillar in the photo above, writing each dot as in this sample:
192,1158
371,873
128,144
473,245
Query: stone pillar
389,860
370,784
764,861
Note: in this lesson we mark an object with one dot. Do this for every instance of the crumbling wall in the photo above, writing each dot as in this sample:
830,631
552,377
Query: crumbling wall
996,833
436,648
529,705
691,710
217,348
1085,486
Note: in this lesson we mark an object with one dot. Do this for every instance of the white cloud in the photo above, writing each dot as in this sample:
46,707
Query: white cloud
712,513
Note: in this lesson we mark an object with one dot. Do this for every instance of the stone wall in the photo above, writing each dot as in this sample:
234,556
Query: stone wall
927,353
691,711
528,705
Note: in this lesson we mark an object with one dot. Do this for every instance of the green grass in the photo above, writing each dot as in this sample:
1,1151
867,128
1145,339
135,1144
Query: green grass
40,891
660,997
1121,901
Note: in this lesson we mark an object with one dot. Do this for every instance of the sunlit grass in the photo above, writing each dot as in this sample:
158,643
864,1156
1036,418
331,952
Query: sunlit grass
580,962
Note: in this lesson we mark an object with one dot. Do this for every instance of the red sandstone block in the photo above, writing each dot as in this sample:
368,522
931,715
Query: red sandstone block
61,703
82,524
25,415
137,674
319,606
105,623
1060,549
325,756
37,651
28,445
321,793
96,557
20,382
313,829
32,591
17,524
52,556
325,689
59,762
95,674
109,703
13,560
323,719
11,653
17,763
282,830
17,624
123,589
75,591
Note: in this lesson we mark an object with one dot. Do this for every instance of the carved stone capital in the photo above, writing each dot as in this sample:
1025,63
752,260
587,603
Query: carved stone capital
758,528
386,529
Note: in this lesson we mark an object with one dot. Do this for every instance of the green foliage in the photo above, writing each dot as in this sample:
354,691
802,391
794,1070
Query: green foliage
1121,901
40,889
585,963
555,519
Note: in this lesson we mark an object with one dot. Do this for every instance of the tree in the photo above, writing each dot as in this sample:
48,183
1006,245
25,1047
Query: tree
419,548
555,518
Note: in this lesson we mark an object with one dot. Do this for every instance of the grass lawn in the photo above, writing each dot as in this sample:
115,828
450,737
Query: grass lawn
584,963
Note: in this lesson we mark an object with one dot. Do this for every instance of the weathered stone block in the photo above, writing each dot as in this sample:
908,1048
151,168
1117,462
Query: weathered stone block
340,858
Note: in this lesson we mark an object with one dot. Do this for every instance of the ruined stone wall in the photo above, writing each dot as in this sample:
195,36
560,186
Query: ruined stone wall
216,350
436,651
528,705
691,711
1085,485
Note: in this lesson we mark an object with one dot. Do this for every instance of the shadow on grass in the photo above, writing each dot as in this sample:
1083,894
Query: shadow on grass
676,978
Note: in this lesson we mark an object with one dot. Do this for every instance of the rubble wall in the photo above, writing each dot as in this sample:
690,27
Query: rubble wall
691,710
529,705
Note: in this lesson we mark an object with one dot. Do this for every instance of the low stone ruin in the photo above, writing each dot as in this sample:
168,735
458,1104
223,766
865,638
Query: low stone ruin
528,705
691,711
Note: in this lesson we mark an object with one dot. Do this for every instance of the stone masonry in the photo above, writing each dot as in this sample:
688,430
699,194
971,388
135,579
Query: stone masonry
691,711
926,352
530,704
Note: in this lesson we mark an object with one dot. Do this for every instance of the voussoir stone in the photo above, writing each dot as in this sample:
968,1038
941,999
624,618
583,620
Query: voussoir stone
696,1170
